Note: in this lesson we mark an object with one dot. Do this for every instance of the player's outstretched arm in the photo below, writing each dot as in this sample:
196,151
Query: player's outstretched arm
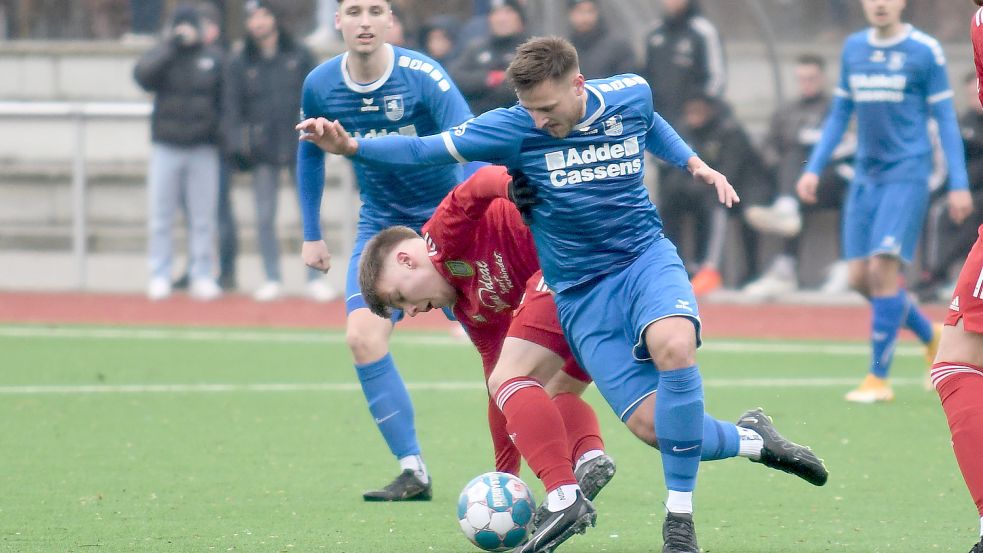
316,255
704,173
330,136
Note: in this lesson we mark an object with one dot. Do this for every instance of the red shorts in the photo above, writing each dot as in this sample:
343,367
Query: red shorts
536,321
966,299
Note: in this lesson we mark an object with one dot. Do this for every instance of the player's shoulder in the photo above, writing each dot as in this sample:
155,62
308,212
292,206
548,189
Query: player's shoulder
415,66
857,40
623,88
326,72
928,44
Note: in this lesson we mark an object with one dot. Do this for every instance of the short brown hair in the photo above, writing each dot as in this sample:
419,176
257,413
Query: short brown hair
540,59
373,261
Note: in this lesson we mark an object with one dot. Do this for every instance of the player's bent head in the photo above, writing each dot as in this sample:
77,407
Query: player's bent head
542,59
372,268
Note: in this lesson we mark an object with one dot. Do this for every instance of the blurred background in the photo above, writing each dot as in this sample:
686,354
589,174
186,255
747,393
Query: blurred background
75,132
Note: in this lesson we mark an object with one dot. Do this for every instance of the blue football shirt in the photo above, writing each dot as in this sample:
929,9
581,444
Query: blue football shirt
414,97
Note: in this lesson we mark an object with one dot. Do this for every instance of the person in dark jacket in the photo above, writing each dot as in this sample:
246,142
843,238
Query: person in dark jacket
262,100
602,53
185,76
684,57
480,70
438,39
710,128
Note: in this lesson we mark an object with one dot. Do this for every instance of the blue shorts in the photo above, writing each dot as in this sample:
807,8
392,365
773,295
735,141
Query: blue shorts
605,321
353,292
884,218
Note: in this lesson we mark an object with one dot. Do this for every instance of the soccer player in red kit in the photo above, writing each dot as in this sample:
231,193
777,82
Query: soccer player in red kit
958,370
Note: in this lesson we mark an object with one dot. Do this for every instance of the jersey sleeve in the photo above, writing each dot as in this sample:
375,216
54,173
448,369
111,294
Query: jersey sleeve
665,143
310,168
836,122
944,112
490,137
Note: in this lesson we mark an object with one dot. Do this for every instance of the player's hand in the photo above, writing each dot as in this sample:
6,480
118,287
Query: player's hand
960,205
523,194
806,187
708,175
316,255
330,136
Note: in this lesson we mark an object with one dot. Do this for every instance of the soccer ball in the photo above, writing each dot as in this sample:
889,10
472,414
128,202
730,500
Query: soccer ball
495,511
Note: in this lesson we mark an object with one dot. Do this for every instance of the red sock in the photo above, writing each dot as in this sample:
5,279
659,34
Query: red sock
960,387
507,457
537,430
583,432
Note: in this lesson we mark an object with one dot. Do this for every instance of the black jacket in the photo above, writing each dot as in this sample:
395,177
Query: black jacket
187,83
603,54
262,102
683,58
470,72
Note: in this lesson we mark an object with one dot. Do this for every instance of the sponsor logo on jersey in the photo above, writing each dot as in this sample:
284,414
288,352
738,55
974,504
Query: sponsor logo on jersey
394,107
491,287
877,56
878,87
459,268
613,126
368,104
479,318
562,164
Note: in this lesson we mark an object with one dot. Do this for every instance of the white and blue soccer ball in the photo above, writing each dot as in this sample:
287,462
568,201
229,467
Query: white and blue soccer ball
495,511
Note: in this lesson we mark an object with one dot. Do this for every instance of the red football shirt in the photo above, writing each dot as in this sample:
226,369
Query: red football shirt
976,32
478,242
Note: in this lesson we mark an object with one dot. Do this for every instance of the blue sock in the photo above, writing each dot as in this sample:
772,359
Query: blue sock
916,321
390,405
889,313
720,439
679,426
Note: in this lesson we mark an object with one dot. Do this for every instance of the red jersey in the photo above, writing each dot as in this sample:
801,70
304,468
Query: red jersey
976,32
479,244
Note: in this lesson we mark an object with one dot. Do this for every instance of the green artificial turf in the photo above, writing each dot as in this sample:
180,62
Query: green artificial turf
264,444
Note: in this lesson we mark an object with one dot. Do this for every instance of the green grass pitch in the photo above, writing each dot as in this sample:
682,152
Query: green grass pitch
207,440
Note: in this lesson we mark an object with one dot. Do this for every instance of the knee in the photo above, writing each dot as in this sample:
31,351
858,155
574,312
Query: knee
643,429
364,346
495,381
675,351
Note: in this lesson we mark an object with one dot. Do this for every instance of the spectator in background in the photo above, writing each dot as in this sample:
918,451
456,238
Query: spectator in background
438,39
602,53
710,128
228,233
185,76
480,70
262,99
684,58
397,33
949,242
794,129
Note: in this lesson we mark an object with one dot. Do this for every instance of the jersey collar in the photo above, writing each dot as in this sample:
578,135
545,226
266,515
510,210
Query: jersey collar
586,123
887,43
374,85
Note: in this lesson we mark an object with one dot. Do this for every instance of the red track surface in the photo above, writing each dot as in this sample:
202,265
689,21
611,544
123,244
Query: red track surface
719,320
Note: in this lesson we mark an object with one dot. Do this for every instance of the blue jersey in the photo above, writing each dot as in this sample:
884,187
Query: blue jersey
413,97
894,87
596,216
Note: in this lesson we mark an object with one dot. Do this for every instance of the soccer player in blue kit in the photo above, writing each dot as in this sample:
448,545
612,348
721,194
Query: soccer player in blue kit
378,89
893,76
622,294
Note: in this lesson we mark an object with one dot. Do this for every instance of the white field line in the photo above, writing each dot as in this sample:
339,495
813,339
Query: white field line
421,386
403,338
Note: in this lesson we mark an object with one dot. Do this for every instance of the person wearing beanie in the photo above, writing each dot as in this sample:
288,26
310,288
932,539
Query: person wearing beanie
480,70
601,52
262,98
185,76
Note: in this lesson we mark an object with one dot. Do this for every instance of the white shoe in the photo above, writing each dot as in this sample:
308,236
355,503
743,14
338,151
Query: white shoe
269,291
777,281
159,289
781,218
320,291
838,281
204,289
